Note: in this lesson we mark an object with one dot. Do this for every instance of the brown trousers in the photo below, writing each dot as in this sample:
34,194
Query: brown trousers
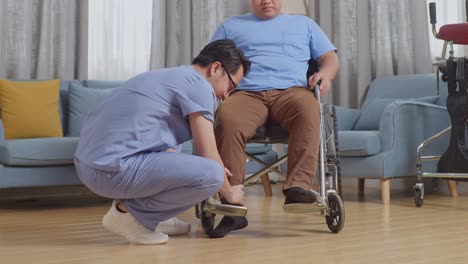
295,109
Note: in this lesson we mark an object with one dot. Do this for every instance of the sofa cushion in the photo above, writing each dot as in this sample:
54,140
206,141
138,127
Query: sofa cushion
269,157
64,87
359,143
30,109
82,101
38,151
256,148
372,112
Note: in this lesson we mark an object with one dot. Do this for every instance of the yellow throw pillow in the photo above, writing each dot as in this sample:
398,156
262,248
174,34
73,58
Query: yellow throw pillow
30,109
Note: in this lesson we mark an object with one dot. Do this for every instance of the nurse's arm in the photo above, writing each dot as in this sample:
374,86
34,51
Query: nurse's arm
205,146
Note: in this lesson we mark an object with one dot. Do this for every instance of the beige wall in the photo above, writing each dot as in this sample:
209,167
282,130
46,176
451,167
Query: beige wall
295,6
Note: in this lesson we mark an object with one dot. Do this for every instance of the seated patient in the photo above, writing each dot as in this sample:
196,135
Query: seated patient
279,46
126,148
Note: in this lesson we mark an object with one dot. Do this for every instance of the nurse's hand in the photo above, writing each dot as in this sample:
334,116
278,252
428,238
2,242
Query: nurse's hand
170,150
228,172
236,195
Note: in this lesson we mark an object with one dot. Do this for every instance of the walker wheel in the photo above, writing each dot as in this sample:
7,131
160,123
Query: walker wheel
336,217
207,218
418,198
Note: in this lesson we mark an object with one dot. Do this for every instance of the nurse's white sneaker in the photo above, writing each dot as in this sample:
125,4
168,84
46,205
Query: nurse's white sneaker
127,226
173,227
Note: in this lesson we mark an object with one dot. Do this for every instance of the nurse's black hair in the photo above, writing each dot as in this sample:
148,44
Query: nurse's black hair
225,52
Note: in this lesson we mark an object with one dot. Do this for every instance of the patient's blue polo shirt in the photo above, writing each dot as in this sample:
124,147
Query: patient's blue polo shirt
148,113
279,48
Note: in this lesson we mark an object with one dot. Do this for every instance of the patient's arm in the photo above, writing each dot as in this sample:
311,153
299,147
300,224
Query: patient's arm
205,146
329,65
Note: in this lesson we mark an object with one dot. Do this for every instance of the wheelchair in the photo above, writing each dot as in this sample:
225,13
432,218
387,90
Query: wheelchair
453,164
330,202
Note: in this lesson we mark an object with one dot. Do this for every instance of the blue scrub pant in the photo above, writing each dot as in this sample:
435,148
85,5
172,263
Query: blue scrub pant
156,186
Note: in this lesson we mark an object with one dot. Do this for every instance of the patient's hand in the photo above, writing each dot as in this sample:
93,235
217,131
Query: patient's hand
170,150
324,82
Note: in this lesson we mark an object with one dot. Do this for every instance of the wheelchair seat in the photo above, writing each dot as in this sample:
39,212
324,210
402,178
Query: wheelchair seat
271,133
268,133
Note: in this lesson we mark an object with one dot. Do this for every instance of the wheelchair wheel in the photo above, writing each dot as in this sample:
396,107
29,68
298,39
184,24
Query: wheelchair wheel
336,217
207,219
332,148
337,151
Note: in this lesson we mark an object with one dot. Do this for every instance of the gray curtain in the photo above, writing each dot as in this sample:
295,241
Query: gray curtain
43,39
182,27
374,38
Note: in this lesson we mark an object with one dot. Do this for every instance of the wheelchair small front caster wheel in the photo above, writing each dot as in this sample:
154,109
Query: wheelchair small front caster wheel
198,211
209,208
336,216
207,218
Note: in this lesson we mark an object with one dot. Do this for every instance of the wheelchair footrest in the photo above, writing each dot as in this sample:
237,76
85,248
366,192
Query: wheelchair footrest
225,209
302,207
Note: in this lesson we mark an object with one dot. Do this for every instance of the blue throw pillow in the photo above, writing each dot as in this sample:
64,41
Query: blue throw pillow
82,101
372,112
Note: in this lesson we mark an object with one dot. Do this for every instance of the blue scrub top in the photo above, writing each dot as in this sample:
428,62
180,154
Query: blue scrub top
148,113
279,48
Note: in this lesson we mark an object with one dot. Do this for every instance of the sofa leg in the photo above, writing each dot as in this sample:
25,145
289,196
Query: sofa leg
385,189
266,184
361,184
452,185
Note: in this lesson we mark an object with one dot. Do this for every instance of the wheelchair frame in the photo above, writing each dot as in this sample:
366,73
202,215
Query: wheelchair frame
330,156
330,203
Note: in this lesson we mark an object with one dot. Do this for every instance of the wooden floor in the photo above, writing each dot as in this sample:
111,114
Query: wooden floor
70,231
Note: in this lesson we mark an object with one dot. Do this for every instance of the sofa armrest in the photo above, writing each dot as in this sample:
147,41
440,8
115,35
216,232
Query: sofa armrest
346,117
411,122
403,127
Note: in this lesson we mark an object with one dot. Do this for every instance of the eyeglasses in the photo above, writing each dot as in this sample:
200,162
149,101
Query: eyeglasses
233,83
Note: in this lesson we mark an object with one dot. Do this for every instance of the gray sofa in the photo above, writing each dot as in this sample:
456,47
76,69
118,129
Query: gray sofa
49,161
379,141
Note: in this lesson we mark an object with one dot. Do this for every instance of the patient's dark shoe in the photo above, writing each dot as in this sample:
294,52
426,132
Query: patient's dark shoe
228,224
299,200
